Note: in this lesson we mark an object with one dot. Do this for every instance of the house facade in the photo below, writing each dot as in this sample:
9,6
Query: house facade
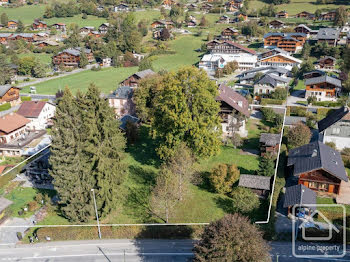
328,35
305,15
12,24
269,143
290,42
133,80
282,14
39,113
323,88
278,58
326,63
71,57
276,24
335,128
234,108
59,26
229,33
317,167
121,101
9,94
268,83
39,25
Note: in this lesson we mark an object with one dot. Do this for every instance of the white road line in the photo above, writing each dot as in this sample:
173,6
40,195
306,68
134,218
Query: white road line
108,254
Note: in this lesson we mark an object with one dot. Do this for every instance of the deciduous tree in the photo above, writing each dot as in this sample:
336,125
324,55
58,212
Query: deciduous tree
244,201
222,178
298,135
232,238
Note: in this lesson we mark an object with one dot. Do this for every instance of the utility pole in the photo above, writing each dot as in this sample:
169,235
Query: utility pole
98,222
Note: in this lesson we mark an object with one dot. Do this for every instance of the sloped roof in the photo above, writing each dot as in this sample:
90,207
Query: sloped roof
304,26
255,182
145,73
323,79
278,21
11,122
292,120
270,139
232,98
31,109
5,88
251,51
328,33
299,194
123,92
327,57
127,118
332,118
317,155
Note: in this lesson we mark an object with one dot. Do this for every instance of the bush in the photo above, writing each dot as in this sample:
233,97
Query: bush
39,198
345,155
26,98
222,178
244,200
32,206
298,111
298,135
5,106
96,68
327,104
279,94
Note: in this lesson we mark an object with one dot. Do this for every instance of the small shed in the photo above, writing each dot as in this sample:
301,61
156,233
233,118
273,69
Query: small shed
260,185
299,195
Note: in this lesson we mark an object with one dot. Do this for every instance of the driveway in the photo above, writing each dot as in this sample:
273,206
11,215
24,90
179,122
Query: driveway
8,234
297,95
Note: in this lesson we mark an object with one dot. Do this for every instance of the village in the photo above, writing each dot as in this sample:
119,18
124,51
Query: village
191,112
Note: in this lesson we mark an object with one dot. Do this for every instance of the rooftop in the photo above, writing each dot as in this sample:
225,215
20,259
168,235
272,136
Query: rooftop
328,33
255,182
299,194
332,118
270,139
12,122
323,79
31,109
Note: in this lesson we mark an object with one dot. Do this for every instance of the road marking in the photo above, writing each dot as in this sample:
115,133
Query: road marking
109,254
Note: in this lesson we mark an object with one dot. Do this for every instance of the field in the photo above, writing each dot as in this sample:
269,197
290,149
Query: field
43,57
295,6
26,13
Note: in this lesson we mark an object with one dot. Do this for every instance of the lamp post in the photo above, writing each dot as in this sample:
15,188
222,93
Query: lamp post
98,223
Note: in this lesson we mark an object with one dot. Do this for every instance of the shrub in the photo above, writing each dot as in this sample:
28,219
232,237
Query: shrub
327,103
345,155
244,200
268,114
298,111
222,178
26,98
279,94
32,206
5,106
39,198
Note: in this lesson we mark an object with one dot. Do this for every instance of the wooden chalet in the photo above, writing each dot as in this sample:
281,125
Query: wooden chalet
42,44
71,57
59,26
168,2
297,195
103,28
242,17
260,185
231,7
282,14
4,37
12,24
224,19
318,167
326,63
323,88
27,37
329,35
269,143
206,7
95,34
229,33
86,30
329,16
39,25
276,24
162,24
277,57
313,74
238,4
305,15
290,42
9,94
228,47
305,30
133,80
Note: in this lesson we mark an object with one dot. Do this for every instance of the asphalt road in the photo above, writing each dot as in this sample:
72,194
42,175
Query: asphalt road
128,251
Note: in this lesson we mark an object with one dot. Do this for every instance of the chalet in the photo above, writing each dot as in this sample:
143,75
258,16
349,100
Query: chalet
289,42
191,7
12,126
269,143
313,74
223,52
335,128
323,88
27,37
328,35
103,28
278,58
38,112
206,7
305,15
229,33
305,30
234,108
318,167
268,83
260,185
12,24
86,30
71,57
231,7
134,79
329,16
60,27
236,3
39,25
162,24
242,17
9,94
282,14
41,36
326,63
42,44
250,76
276,24
4,37
224,19
300,196
95,34
121,101
121,8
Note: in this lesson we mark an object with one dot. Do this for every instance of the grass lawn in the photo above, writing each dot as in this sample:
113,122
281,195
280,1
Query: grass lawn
295,6
300,85
332,213
90,21
107,80
26,13
43,57
21,197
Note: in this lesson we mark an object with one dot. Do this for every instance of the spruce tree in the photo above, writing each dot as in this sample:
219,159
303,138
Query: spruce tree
72,184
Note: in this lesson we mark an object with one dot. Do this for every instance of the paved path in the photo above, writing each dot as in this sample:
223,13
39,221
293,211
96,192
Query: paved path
297,95
344,194
8,234
12,109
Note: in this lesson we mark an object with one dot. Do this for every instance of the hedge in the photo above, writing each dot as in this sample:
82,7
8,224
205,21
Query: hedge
120,232
327,104
269,101
5,106
26,98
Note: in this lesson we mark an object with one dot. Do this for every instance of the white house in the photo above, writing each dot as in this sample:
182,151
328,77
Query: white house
38,112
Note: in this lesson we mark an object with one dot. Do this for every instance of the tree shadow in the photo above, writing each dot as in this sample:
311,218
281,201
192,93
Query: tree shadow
144,150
